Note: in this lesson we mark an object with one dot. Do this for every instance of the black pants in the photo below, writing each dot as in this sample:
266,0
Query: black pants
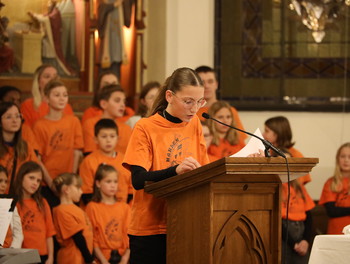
147,249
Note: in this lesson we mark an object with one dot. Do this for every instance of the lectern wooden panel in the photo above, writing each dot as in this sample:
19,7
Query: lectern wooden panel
227,211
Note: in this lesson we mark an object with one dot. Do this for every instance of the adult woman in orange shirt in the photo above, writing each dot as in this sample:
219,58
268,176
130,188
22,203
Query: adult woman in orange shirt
167,143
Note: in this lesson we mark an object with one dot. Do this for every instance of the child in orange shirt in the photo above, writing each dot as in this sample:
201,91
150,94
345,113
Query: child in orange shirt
106,78
297,249
60,137
14,236
74,231
167,143
106,136
109,218
34,211
225,140
112,103
335,194
36,108
279,133
14,151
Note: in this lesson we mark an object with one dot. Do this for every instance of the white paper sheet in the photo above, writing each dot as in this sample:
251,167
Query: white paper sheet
252,146
5,217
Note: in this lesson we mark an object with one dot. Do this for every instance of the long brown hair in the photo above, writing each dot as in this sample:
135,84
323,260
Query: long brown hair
28,167
337,181
280,125
231,135
101,172
19,145
142,109
181,77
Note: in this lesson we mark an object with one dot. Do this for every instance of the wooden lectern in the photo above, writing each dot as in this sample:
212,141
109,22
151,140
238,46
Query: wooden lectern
227,211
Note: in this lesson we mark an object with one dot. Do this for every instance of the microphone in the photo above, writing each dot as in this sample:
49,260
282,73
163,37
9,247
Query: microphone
268,145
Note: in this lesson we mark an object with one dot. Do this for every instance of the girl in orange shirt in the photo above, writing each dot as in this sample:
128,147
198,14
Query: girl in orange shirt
109,218
35,213
226,141
335,194
74,231
279,133
165,144
13,149
35,108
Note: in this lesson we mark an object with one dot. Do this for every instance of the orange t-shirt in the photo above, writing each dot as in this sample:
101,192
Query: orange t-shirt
110,224
225,149
124,132
89,166
297,154
157,144
242,136
69,219
297,205
31,115
93,111
58,140
7,162
29,137
37,224
341,199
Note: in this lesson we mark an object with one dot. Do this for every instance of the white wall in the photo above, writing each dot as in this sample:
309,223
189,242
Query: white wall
316,135
189,34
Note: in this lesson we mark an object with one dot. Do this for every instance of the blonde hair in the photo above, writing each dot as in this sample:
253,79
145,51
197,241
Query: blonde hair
66,179
36,93
231,135
337,181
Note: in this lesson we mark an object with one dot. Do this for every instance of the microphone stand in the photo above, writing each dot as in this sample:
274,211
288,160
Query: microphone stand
268,145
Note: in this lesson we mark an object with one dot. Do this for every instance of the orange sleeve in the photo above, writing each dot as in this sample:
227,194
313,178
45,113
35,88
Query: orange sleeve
50,228
297,154
87,173
28,113
78,135
124,178
327,194
88,133
68,224
29,137
124,134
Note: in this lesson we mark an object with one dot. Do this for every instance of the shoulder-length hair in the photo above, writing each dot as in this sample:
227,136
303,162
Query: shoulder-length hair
180,77
280,125
142,109
337,179
19,145
231,135
101,173
28,167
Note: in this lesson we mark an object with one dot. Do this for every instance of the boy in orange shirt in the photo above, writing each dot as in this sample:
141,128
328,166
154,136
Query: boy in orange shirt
60,135
106,137
112,102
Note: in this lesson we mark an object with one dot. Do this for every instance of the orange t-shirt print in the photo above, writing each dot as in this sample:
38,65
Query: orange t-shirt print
156,144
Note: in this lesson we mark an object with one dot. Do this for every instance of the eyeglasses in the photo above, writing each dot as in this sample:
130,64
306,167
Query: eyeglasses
189,102
9,117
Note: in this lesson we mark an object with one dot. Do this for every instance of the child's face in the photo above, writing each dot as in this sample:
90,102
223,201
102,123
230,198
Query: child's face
58,98
207,136
3,182
344,159
47,75
31,183
224,115
269,135
107,139
109,184
150,97
11,120
115,106
74,191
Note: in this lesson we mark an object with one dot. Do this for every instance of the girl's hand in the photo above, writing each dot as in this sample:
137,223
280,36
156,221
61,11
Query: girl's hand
260,154
187,164
301,247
